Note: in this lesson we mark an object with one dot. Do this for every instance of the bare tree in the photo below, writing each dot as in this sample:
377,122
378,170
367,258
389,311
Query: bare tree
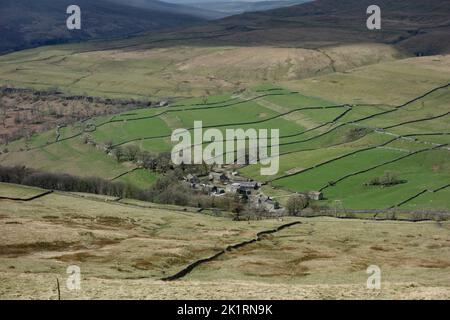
296,203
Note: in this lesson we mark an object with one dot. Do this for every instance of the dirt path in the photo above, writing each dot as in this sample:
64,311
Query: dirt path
297,117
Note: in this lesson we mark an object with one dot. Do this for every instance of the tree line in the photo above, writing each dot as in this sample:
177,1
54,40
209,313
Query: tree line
168,189
66,182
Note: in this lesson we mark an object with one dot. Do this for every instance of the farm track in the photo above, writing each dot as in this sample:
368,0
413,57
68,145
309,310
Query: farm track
332,62
199,262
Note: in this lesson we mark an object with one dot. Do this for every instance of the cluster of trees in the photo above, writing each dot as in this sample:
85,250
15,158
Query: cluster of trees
66,182
296,203
387,179
168,189
356,133
156,162
55,94
34,111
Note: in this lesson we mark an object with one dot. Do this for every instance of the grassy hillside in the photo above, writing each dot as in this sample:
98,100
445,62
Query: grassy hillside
286,44
146,67
18,191
123,250
335,145
348,111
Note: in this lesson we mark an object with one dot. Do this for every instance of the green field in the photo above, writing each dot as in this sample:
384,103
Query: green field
338,131
429,170
10,190
141,178
308,141
148,66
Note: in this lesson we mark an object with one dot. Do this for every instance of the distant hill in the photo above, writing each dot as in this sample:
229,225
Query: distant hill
206,12
414,26
417,26
228,8
30,23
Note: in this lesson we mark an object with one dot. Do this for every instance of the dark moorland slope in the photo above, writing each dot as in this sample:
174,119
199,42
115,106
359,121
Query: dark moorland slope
229,8
417,26
31,23
203,11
